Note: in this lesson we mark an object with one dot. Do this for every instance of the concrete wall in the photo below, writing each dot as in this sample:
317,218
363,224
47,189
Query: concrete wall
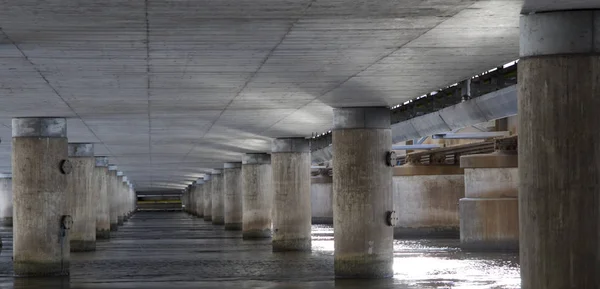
321,194
426,203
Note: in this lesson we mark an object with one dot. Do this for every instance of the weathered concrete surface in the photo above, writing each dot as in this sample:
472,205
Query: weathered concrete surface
257,190
362,193
218,200
112,197
290,161
100,184
426,201
321,199
119,198
80,199
6,201
232,186
40,201
559,161
207,190
198,198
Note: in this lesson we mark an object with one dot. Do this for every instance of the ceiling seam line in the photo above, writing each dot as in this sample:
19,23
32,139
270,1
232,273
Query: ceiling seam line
365,69
290,28
53,88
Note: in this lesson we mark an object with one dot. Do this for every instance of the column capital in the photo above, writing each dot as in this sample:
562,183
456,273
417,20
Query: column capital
232,165
290,145
361,117
78,150
39,127
256,159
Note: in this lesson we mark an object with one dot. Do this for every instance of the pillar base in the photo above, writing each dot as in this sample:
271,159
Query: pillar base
102,234
39,269
207,218
120,220
218,221
256,234
200,216
424,232
489,224
82,246
6,222
363,268
114,227
233,227
290,245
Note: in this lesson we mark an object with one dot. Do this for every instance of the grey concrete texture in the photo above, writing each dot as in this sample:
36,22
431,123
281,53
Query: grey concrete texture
256,158
257,200
489,224
40,202
362,196
6,202
338,54
113,199
559,165
81,150
39,127
321,200
82,203
361,118
218,200
100,184
207,190
290,145
560,32
198,199
291,211
232,189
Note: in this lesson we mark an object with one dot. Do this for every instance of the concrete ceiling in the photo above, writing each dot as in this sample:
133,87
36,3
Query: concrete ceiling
171,89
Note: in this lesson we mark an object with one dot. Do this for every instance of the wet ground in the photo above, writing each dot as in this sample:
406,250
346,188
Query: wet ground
175,250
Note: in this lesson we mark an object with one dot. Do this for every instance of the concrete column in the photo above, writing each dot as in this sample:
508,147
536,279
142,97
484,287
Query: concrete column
232,187
125,202
291,162
559,104
426,200
321,203
6,200
218,204
489,213
199,198
119,197
100,183
188,200
362,193
206,189
257,196
39,164
112,197
80,200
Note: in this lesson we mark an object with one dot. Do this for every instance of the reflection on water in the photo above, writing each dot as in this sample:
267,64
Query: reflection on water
173,250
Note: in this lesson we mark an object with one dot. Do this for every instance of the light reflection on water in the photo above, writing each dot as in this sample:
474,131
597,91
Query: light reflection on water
440,263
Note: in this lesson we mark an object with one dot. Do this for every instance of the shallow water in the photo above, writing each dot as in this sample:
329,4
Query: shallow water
175,250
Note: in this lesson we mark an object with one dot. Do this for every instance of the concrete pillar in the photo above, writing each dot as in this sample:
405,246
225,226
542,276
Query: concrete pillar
100,183
6,200
362,193
489,213
218,201
199,198
290,159
80,200
321,203
39,167
125,202
112,197
559,104
232,189
119,197
257,196
426,200
206,189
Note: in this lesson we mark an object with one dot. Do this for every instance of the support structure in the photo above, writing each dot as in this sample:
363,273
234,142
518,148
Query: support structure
232,189
112,197
218,204
198,198
257,190
321,187
559,159
362,188
41,224
6,201
290,159
81,201
119,197
206,189
100,188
